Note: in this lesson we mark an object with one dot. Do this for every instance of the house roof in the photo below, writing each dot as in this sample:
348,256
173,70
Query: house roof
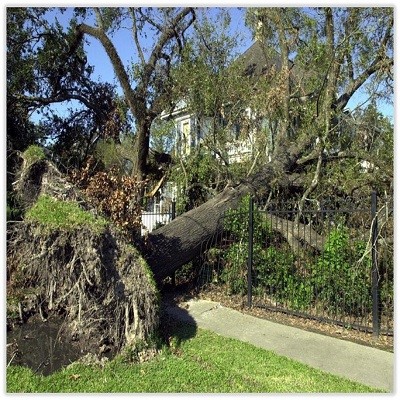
256,60
180,107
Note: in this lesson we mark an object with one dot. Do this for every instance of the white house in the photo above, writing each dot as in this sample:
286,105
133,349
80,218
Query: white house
190,130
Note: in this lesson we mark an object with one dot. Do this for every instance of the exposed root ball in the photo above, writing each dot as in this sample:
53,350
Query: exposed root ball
98,281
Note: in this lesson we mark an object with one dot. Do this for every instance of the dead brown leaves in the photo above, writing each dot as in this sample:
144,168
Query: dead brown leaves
117,197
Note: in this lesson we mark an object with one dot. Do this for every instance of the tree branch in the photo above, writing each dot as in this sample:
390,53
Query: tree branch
133,101
62,96
314,155
99,18
380,61
375,66
314,182
135,35
167,34
296,233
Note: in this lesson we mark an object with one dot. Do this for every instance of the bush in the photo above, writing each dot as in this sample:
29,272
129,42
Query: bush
338,280
236,225
276,274
341,278
234,273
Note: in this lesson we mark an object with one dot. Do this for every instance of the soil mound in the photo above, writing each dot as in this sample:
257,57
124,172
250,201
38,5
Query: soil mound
95,279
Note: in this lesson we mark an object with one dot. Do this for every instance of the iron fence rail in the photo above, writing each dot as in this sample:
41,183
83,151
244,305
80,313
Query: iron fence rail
333,262
151,220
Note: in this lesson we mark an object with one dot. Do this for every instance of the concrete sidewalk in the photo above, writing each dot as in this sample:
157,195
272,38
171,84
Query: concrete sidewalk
356,362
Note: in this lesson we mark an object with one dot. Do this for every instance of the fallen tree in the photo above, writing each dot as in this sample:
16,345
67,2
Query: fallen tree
311,128
177,243
182,240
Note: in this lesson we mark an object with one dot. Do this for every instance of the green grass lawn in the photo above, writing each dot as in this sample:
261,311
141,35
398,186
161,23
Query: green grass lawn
201,362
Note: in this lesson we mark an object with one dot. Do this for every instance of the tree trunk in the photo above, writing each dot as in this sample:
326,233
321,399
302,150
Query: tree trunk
141,150
179,242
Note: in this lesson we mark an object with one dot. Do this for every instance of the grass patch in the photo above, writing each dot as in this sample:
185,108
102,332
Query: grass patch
198,363
57,214
33,153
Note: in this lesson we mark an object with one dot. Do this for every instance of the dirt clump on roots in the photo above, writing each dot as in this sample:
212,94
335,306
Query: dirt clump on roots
95,279
99,283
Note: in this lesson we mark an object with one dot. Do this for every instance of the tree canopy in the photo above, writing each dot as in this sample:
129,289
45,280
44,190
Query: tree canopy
321,59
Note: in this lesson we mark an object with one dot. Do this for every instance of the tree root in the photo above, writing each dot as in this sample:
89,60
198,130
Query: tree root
97,281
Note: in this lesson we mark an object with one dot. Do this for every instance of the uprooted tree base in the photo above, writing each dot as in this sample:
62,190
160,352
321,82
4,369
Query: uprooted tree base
95,279
97,282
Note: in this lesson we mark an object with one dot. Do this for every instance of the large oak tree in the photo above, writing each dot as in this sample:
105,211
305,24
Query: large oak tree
327,55
150,91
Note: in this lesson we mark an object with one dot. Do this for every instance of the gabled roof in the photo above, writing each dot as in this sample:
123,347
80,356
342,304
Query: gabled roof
254,62
257,61
179,108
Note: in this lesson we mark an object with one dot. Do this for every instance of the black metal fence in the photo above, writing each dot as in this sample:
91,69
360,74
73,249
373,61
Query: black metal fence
329,261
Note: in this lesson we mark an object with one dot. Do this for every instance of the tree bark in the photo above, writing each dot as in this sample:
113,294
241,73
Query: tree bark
143,108
142,145
179,242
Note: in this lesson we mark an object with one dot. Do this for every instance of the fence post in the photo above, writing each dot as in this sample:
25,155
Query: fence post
173,216
173,209
250,255
375,271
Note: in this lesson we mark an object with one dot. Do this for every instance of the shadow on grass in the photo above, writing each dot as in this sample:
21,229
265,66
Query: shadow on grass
176,324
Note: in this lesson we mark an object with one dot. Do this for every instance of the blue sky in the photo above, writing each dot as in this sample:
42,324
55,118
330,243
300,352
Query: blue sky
123,41
124,44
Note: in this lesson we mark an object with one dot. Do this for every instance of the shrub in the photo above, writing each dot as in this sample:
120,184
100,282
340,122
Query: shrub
342,282
236,225
338,280
276,273
234,273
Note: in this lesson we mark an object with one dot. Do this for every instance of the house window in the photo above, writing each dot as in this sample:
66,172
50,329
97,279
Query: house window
186,140
236,130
